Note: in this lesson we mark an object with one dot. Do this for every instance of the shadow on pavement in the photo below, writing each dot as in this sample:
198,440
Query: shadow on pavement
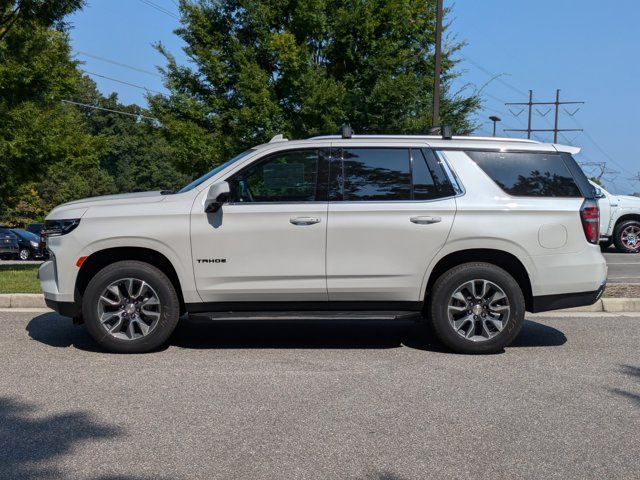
202,333
632,372
30,445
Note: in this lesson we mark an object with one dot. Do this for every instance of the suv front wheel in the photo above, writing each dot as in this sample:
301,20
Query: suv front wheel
130,307
477,308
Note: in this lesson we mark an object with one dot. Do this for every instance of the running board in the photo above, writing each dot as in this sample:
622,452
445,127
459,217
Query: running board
317,315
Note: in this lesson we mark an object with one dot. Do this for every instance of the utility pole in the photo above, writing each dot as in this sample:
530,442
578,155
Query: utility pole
437,65
557,103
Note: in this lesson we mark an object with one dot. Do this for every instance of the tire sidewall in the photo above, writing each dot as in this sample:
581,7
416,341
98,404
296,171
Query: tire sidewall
450,281
169,304
621,247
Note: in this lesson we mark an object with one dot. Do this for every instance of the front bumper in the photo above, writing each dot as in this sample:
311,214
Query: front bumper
545,303
66,309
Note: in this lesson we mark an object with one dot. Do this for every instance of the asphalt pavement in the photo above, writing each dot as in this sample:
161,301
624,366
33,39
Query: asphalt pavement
321,400
623,267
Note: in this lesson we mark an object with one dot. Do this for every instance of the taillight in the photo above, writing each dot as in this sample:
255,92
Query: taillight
590,215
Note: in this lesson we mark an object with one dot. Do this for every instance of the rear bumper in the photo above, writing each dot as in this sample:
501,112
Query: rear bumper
545,303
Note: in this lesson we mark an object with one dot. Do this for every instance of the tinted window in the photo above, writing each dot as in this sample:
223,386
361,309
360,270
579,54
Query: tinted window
528,174
285,177
429,180
376,174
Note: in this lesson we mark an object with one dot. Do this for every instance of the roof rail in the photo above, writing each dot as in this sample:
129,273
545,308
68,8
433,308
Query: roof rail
278,138
429,137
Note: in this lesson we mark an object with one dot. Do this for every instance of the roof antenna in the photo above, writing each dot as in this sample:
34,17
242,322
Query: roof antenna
346,131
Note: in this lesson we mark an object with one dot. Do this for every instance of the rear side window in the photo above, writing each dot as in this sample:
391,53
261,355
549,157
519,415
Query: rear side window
429,180
376,174
528,174
387,174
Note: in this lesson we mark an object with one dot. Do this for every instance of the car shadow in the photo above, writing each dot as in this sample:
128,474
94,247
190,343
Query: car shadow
203,333
31,444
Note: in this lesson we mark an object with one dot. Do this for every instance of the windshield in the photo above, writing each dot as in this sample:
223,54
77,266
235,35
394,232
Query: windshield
213,172
25,235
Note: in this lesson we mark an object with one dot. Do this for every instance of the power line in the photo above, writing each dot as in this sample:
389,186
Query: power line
86,105
123,82
113,62
160,9
555,128
493,75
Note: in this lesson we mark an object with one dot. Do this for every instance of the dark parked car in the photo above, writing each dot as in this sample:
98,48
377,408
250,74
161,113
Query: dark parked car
29,244
8,244
35,228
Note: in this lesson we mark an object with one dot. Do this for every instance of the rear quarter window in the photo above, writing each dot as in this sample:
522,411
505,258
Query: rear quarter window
528,174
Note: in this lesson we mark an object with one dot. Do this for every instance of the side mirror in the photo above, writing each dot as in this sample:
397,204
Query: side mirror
599,193
218,194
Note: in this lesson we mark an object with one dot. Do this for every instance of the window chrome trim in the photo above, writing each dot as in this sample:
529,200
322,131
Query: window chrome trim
453,178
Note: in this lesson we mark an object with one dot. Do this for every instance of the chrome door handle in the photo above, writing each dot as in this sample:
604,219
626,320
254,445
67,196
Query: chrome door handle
425,220
304,220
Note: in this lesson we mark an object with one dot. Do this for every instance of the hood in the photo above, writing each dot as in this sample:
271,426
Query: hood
77,208
628,200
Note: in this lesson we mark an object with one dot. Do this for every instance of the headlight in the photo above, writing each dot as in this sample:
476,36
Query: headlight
54,228
33,244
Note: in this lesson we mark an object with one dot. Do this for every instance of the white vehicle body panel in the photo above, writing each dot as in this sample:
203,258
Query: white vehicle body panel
358,251
613,208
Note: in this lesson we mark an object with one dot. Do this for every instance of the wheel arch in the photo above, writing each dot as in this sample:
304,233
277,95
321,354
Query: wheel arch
100,259
505,260
625,217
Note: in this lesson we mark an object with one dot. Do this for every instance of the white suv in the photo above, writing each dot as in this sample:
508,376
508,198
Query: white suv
619,220
466,232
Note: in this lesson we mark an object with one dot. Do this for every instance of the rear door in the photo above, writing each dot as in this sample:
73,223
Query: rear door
390,212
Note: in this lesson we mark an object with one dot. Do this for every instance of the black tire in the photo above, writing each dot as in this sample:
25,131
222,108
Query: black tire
162,286
24,254
446,286
618,234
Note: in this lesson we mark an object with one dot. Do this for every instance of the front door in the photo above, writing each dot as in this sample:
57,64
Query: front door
268,244
390,212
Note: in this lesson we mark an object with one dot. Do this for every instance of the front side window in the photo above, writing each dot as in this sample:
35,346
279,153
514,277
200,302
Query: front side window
284,177
528,174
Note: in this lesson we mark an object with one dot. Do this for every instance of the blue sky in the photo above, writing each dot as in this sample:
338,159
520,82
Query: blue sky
587,48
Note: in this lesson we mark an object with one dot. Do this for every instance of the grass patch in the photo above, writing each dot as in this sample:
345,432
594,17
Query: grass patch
19,279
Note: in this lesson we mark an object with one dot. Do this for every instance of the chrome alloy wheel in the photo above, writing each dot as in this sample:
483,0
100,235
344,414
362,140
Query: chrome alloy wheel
129,309
478,310
630,237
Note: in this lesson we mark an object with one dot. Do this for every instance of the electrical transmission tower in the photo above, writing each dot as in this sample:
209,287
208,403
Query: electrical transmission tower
530,104
603,171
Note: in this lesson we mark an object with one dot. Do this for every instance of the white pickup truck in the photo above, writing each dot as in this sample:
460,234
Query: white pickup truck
619,221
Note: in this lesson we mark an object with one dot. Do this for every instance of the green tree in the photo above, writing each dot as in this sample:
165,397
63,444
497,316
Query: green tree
46,154
136,154
303,67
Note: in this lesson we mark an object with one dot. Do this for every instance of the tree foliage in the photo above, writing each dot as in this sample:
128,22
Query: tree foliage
257,68
302,67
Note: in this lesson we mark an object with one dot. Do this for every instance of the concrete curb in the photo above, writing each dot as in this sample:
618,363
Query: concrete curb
22,300
610,305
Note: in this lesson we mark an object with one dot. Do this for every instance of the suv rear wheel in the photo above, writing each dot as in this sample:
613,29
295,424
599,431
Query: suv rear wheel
477,308
627,236
130,307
